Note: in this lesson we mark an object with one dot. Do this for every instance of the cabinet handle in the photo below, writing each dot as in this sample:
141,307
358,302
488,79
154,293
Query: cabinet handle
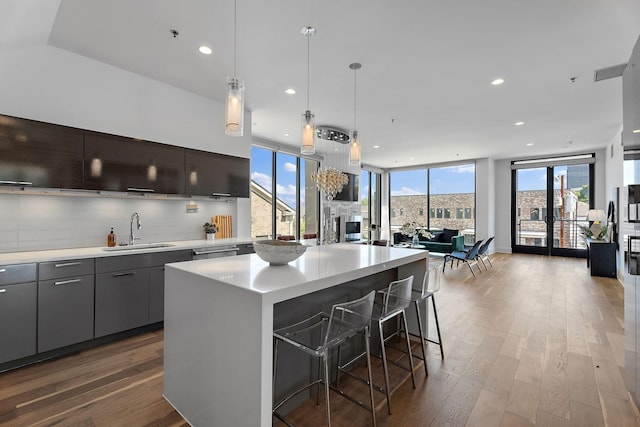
67,264
129,273
141,190
66,282
215,251
2,291
15,183
3,270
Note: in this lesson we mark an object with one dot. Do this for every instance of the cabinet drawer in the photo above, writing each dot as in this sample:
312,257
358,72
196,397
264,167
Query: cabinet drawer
17,273
65,268
162,258
122,262
246,248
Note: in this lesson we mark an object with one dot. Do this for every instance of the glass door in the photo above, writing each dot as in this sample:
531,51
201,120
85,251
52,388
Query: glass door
530,219
550,205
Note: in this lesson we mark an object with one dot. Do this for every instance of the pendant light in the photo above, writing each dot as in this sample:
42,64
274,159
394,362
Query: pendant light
308,119
234,117
354,147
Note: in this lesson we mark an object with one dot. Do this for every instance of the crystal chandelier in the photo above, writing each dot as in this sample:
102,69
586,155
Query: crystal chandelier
329,180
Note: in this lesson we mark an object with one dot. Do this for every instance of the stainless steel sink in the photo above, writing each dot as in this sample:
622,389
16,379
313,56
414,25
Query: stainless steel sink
138,246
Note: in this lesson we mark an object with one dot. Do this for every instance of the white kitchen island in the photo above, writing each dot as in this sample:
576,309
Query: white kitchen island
219,321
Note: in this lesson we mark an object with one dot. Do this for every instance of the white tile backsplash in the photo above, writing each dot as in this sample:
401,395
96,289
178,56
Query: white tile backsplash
39,222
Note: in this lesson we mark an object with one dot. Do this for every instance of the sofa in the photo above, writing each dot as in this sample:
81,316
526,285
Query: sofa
444,241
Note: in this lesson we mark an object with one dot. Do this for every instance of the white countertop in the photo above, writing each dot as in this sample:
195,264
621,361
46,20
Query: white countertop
98,252
318,268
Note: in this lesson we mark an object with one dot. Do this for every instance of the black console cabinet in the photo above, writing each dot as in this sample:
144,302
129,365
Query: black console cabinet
601,258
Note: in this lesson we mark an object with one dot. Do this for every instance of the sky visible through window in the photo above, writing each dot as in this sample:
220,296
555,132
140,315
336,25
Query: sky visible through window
262,173
447,180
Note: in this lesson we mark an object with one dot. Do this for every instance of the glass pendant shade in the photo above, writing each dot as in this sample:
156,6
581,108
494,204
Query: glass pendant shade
234,118
354,150
308,133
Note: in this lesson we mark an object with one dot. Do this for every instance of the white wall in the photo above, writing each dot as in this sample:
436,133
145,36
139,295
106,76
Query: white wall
614,164
52,85
502,177
485,200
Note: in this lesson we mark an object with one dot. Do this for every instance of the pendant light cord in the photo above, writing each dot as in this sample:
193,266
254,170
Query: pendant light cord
235,38
355,97
308,67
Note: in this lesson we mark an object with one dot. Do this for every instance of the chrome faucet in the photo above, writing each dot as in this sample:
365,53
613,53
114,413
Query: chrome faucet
132,236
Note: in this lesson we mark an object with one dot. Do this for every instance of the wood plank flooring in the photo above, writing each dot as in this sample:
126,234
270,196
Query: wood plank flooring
533,341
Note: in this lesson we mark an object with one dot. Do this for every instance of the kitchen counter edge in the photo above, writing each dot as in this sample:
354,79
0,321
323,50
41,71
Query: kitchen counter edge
99,252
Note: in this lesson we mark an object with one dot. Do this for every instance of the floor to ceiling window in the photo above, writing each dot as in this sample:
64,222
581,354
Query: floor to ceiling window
294,211
261,193
408,201
370,204
435,198
286,194
452,197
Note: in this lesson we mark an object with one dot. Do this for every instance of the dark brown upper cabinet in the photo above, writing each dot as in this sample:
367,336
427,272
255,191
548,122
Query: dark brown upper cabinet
37,154
211,174
116,163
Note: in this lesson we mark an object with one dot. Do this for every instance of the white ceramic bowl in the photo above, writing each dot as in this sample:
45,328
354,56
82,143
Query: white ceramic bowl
278,252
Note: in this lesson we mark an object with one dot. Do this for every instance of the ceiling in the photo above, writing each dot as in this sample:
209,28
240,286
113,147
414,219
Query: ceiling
424,92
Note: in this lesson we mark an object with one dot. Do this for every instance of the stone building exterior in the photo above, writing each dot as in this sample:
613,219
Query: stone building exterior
453,211
457,211
261,214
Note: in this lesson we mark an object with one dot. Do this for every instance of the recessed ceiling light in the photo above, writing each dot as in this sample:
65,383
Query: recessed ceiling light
376,146
529,144
205,49
290,91
497,82
519,123
636,131
411,158
286,134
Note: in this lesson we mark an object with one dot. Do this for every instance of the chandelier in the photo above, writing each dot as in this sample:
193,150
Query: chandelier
329,180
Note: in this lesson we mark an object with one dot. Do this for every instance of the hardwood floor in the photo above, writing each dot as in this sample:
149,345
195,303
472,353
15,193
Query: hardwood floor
533,341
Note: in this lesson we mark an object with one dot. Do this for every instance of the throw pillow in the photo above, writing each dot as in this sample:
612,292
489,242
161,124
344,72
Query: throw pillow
437,238
448,235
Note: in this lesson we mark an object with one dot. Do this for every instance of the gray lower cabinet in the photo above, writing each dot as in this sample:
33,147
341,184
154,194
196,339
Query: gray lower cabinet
65,302
122,301
156,294
156,281
65,311
18,311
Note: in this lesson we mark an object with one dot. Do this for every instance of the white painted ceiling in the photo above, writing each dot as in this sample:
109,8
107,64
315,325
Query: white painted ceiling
423,93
